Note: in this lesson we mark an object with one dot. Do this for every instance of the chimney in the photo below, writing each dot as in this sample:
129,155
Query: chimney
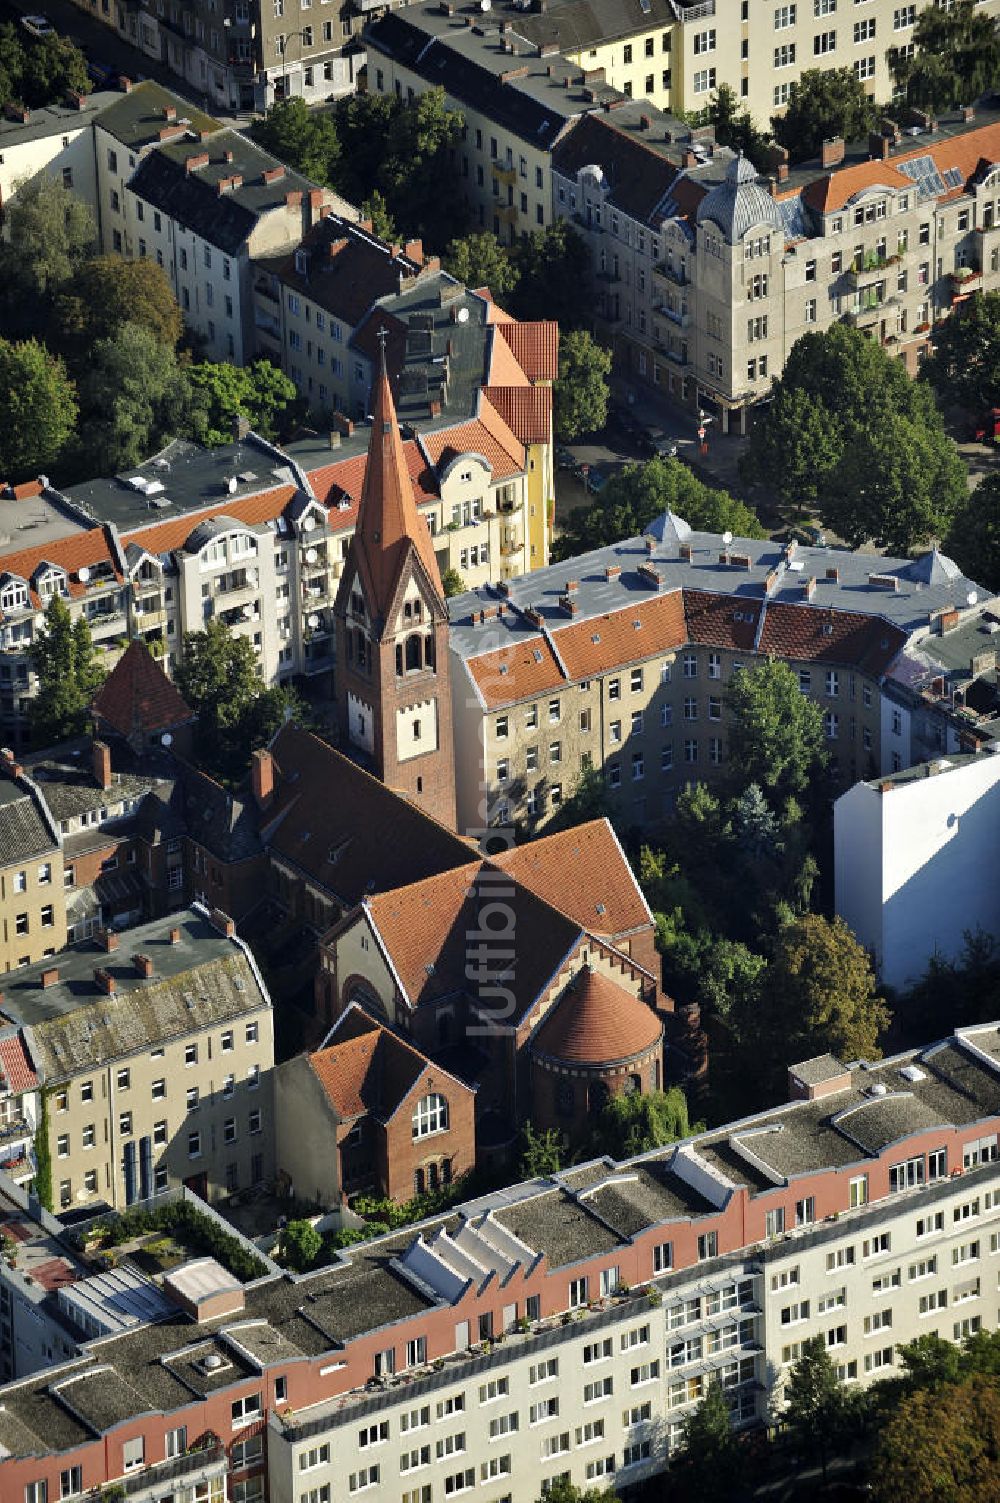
569,605
685,552
107,939
878,146
650,544
195,163
228,154
170,115
49,977
968,113
688,157
171,132
809,587
19,113
76,101
832,153
105,982
336,246
174,937
125,84
948,619
415,250
333,438
11,766
833,575
937,686
612,571
650,575
102,764
143,966
228,184
343,424
886,582
293,199
783,172
222,922
241,428
262,778
272,174
645,122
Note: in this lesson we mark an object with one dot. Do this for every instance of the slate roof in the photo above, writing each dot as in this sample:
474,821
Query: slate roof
596,1021
24,833
227,219
202,980
137,698
638,176
225,823
348,269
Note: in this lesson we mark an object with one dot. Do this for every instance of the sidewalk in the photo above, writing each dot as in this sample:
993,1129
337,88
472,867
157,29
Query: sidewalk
717,467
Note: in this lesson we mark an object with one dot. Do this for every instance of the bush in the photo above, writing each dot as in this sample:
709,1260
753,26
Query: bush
190,1228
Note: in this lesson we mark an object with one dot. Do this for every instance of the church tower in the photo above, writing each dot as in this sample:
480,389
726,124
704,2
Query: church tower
393,691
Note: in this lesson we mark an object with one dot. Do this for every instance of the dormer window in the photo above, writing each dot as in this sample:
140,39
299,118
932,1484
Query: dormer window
241,545
302,262
52,583
14,596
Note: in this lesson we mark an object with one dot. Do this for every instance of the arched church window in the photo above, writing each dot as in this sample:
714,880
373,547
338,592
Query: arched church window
412,653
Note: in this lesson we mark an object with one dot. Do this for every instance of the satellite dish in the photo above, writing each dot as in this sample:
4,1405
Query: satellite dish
313,622
727,538
248,611
972,597
232,484
311,555
462,316
83,574
166,739
308,523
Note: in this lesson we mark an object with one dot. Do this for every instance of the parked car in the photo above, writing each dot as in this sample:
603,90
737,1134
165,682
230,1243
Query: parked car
102,74
38,26
565,458
661,444
596,479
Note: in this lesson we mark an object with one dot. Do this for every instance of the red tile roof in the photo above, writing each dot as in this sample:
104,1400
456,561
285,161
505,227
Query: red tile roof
722,620
77,551
535,346
17,1066
420,927
520,671
601,642
597,1021
582,872
963,151
164,537
390,529
527,410
487,435
138,697
346,477
370,1069
812,633
503,367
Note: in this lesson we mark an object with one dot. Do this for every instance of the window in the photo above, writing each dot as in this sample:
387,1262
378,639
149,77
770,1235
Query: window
430,1116
133,1453
908,1175
125,1124
805,1211
858,1191
191,1054
253,1121
246,1410
823,42
554,711
194,1145
774,1222
704,41
663,1257
708,1245
367,1476
578,1292
71,1482
872,1247
704,80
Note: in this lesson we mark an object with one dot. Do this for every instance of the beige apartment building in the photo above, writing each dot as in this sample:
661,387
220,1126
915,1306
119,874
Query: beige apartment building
154,1051
32,892
706,274
619,660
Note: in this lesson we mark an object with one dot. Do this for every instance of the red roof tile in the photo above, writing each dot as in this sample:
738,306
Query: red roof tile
521,671
812,633
138,697
419,923
602,642
16,1066
582,872
164,537
369,1070
597,1021
346,477
527,410
77,551
963,151
535,346
722,620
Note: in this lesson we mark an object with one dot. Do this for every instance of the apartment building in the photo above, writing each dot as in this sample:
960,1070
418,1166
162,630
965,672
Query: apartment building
705,275
154,1053
865,1212
620,659
32,897
57,139
19,1109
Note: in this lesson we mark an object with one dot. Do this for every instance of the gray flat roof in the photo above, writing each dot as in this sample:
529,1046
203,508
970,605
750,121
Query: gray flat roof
33,520
54,119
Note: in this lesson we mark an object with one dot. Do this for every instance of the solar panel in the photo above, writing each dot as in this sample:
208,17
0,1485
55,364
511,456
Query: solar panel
953,177
923,172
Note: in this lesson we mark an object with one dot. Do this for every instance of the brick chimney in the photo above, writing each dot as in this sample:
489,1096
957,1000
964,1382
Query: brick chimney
169,113
947,620
879,146
174,937
11,765
143,966
195,163
50,977
107,939
105,982
262,778
125,84
832,153
415,250
222,922
102,764
272,174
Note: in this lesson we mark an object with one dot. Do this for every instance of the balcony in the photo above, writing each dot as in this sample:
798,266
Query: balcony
16,1132
193,1467
504,172
870,270
675,274
965,279
264,289
103,621
682,320
506,213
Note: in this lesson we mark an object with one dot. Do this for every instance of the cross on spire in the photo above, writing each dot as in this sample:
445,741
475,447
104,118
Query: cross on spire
382,336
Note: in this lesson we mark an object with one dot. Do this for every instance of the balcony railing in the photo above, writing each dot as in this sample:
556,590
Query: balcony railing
675,274
681,319
209,1461
12,1132
861,273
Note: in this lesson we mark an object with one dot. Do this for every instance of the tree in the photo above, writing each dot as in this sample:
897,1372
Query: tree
776,732
631,1124
41,71
38,409
820,994
964,365
823,103
554,276
708,1459
563,1491
301,1245
376,211
930,1361
941,1446
580,399
733,126
104,294
303,138
541,1152
589,800
48,233
955,57
481,261
133,395
218,678
814,1400
639,494
261,393
64,657
452,583
847,427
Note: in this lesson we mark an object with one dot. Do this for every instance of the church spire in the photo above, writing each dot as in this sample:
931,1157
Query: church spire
388,520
